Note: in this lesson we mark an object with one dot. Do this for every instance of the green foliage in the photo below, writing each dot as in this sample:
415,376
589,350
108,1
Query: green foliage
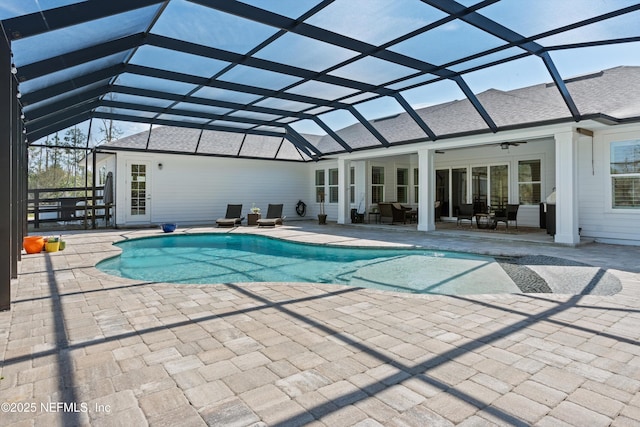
61,160
59,163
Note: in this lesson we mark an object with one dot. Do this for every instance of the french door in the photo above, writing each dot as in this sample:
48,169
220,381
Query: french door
138,192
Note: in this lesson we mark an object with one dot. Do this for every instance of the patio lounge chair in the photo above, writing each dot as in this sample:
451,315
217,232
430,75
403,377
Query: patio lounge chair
232,218
510,213
274,216
465,213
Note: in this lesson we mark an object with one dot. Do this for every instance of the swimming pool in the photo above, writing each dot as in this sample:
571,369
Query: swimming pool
235,258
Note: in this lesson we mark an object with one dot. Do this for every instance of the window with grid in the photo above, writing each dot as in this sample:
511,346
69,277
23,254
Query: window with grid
377,184
529,182
402,185
416,188
333,185
319,185
625,174
352,185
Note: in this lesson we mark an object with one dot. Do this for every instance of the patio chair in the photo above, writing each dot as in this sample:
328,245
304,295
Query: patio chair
274,216
438,211
68,208
465,213
232,218
400,213
510,213
386,212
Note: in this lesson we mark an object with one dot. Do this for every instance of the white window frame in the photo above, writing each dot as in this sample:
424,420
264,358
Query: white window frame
541,182
333,185
377,185
320,188
405,185
611,176
416,184
352,185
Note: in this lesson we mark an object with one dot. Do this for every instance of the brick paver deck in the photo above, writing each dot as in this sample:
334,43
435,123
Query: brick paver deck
80,347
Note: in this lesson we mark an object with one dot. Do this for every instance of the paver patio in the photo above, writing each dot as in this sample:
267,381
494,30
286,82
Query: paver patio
131,353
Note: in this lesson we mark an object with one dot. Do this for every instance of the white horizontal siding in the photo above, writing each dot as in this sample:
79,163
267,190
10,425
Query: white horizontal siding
196,190
596,217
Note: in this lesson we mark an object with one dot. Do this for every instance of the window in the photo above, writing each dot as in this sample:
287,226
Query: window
529,184
625,174
333,185
402,185
377,184
352,185
320,185
415,186
102,176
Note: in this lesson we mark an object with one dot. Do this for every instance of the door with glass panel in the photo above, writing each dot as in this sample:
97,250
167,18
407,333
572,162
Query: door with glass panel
138,192
442,193
458,189
499,186
489,187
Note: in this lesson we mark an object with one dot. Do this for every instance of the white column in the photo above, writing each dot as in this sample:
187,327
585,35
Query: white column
427,189
343,191
567,188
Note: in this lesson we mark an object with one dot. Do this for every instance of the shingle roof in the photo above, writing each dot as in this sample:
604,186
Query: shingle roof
614,92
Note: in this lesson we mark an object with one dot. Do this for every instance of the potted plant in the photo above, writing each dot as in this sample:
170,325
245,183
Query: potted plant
169,227
33,244
53,244
322,217
254,209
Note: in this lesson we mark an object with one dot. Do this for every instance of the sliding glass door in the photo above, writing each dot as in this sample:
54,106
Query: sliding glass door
458,189
479,188
442,191
499,178
488,186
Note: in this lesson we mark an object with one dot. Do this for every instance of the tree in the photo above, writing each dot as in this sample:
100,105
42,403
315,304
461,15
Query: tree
57,163
109,130
75,139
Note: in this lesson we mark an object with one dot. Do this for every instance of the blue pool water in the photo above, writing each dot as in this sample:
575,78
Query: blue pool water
234,258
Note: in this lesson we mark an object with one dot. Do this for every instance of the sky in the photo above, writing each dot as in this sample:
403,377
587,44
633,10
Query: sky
358,19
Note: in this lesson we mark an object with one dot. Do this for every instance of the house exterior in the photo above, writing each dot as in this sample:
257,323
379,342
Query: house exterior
189,176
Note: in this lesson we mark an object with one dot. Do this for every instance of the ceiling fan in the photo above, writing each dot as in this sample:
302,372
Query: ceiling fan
506,145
